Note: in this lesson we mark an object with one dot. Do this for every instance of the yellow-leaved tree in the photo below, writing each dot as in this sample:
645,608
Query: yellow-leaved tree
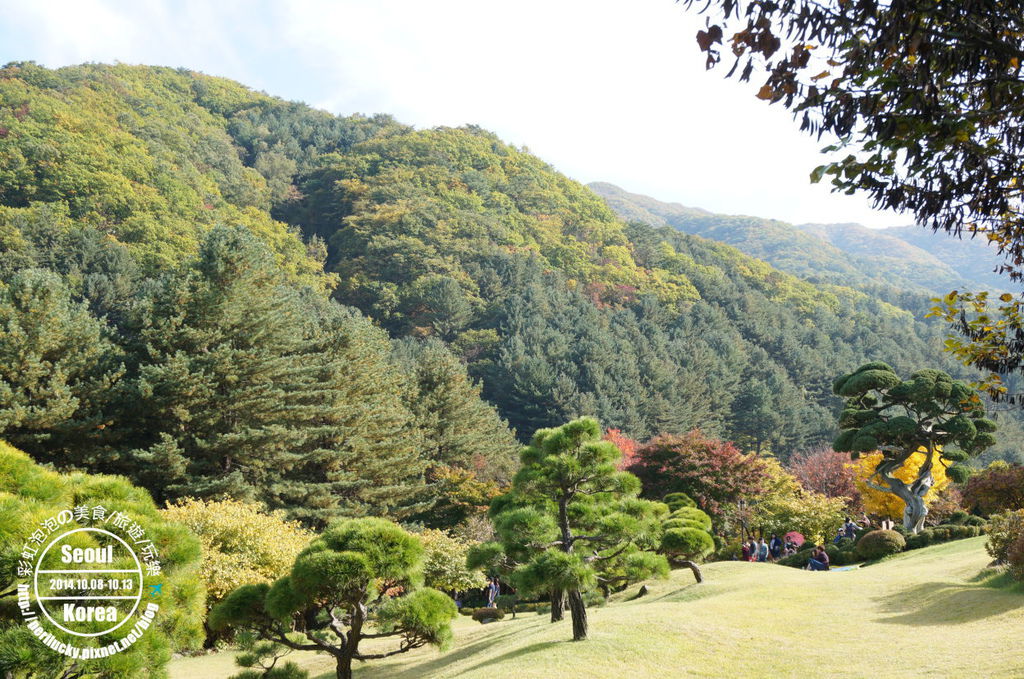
242,543
784,505
885,503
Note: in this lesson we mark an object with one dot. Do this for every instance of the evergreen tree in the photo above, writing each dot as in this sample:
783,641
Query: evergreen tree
573,519
363,453
57,366
459,428
250,390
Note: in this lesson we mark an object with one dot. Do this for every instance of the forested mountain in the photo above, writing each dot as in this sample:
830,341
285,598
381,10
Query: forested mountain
217,292
906,258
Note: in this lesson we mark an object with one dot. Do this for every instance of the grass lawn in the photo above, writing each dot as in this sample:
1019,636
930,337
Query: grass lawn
928,613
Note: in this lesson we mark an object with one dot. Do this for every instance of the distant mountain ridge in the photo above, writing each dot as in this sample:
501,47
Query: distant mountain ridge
906,257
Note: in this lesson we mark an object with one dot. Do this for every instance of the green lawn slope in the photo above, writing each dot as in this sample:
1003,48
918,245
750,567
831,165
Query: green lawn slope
930,613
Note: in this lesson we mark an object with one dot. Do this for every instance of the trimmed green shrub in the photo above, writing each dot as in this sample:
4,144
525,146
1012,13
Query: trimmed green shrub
693,515
1015,557
975,521
482,615
880,543
507,602
845,543
798,560
678,500
957,518
686,543
922,539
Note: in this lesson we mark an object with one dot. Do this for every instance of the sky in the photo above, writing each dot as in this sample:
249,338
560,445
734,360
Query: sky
603,90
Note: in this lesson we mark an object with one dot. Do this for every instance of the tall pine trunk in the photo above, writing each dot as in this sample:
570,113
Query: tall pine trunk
557,605
579,615
344,666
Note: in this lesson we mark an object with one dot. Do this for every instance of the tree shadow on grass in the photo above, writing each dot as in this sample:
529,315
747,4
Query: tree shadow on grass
942,603
418,667
518,653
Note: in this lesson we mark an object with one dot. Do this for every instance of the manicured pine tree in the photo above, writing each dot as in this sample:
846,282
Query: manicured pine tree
930,414
337,589
572,517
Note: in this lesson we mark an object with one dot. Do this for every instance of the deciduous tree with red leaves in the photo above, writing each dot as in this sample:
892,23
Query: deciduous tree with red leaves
827,472
997,488
625,444
714,473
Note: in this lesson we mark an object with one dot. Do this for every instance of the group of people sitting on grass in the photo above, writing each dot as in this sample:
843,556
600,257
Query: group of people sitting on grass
777,548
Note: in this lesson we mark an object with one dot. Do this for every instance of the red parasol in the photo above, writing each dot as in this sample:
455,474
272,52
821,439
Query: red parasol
795,538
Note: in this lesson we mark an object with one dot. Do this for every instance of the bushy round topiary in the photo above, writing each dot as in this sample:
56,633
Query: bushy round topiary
686,543
678,500
974,521
692,514
482,615
880,543
683,523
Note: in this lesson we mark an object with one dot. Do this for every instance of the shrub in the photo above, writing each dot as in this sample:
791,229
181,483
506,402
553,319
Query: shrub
997,488
686,543
30,494
507,602
922,539
1003,530
729,551
695,516
861,532
482,615
956,518
1015,557
242,543
880,543
975,521
679,500
444,563
798,560
845,544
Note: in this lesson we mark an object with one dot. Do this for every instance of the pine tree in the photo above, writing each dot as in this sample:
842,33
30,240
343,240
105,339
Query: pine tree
460,429
363,453
57,366
256,391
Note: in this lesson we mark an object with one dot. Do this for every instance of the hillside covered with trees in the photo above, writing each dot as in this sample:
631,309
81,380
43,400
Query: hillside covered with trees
219,293
903,258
